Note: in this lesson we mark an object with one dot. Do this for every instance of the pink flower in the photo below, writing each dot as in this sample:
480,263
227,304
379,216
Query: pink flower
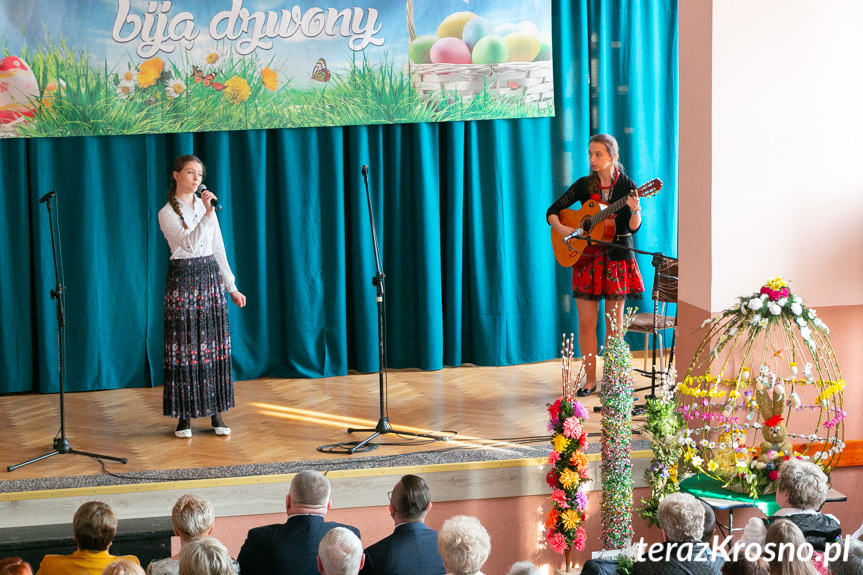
558,496
556,541
553,457
784,292
580,538
765,290
774,295
571,428
579,410
582,441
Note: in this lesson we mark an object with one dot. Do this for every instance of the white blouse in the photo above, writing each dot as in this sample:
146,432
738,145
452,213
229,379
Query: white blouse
202,238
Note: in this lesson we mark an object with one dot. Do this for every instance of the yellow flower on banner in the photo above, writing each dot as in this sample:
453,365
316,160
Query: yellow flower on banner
570,519
150,71
569,478
237,90
270,79
560,442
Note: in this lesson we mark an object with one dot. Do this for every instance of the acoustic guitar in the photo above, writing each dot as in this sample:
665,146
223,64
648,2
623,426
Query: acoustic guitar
594,221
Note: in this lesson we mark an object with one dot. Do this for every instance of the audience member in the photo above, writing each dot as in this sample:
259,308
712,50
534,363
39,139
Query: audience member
340,553
205,556
464,545
746,567
681,517
291,548
123,567
801,488
523,568
93,526
193,517
709,522
787,539
412,547
853,563
15,566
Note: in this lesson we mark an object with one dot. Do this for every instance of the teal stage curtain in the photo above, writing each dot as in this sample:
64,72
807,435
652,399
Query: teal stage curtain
459,208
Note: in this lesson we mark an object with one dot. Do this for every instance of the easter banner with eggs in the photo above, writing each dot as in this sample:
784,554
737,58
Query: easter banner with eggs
133,66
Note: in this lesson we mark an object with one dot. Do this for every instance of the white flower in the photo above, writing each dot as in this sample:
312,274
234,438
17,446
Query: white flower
712,445
742,463
126,89
755,319
763,297
763,322
811,313
805,332
764,369
754,304
704,443
174,88
774,308
129,77
796,308
796,299
705,322
732,331
812,437
800,321
781,302
210,59
697,461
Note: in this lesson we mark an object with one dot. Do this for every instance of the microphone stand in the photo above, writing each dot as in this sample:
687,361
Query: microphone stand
383,426
60,445
657,259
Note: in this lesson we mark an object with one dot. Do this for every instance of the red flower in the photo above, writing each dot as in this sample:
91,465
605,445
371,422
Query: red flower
773,421
551,478
582,441
773,475
580,538
554,409
765,290
594,197
559,496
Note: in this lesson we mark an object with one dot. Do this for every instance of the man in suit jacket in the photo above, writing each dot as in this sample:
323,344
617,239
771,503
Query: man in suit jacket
412,548
291,548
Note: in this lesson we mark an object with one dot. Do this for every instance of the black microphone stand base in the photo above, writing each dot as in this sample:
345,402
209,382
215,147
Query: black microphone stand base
61,447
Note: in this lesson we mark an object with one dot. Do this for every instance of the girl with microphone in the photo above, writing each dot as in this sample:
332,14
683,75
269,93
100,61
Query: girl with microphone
197,366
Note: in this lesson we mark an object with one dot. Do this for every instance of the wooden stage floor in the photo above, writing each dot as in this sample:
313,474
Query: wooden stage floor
284,420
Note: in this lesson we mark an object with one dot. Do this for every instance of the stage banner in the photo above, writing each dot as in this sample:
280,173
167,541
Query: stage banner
99,67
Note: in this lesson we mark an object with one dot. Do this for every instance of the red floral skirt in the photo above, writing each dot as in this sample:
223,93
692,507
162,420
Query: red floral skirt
603,278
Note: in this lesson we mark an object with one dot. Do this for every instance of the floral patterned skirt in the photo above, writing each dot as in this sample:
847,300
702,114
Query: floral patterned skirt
198,380
603,278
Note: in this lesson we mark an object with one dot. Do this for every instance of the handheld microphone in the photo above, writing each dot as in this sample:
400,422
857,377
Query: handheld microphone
365,171
576,235
214,202
47,197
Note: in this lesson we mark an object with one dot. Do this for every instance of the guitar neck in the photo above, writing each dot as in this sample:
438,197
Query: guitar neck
610,210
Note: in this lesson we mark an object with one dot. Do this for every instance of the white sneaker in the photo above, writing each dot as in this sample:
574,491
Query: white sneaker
220,431
183,433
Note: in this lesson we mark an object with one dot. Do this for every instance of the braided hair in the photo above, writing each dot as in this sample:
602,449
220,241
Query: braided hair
179,164
613,150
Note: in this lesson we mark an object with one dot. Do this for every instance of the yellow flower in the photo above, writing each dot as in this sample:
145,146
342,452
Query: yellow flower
777,284
212,58
237,90
270,79
672,473
570,519
560,442
150,71
568,478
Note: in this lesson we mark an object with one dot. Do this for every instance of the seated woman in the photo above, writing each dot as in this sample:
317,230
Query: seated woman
464,545
193,518
205,556
123,567
801,488
15,566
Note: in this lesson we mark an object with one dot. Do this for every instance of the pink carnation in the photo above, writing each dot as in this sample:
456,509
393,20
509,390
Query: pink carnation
571,428
556,541
784,292
558,496
579,410
553,457
774,295
765,290
580,538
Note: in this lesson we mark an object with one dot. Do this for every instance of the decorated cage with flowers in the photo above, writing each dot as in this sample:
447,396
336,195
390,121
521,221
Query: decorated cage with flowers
569,471
763,362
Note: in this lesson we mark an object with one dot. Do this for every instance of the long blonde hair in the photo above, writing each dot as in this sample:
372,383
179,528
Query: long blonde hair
784,534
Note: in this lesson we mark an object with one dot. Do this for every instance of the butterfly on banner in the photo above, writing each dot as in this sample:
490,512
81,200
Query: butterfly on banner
208,81
321,73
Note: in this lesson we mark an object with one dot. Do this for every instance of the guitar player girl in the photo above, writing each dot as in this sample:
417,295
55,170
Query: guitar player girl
609,273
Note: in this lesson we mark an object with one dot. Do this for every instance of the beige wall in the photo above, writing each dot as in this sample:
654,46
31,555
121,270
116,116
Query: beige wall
771,116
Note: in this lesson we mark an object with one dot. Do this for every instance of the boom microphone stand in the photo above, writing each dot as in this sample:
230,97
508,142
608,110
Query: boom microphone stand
383,426
61,444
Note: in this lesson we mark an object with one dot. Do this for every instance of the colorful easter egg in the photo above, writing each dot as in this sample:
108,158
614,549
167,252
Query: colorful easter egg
450,51
453,25
419,50
527,27
505,29
544,48
474,29
522,47
490,49
18,90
